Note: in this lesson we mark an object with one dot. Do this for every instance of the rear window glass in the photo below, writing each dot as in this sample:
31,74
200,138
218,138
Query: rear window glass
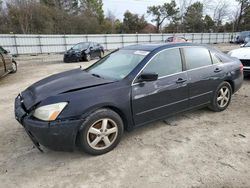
215,58
197,57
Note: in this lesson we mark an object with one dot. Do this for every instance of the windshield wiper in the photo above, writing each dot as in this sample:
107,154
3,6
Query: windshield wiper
96,75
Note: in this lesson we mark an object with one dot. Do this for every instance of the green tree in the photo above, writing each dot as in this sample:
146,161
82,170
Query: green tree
193,18
209,24
93,8
111,24
132,23
69,6
161,13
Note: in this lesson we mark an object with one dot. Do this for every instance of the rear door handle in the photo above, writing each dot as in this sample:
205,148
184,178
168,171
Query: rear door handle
217,70
181,80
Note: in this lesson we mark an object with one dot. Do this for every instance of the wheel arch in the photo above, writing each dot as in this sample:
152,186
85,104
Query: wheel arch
120,113
110,107
231,84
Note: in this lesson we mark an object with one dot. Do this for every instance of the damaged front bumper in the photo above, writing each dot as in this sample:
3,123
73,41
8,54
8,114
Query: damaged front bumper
57,135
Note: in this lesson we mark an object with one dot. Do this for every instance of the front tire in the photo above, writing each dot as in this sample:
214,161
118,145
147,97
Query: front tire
14,67
101,133
101,55
222,97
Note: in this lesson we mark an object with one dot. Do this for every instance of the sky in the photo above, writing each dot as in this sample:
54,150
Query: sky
118,7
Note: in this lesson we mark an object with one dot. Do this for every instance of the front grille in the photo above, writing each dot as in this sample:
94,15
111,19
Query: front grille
245,62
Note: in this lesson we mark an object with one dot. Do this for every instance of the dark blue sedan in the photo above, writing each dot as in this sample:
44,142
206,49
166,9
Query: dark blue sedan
128,88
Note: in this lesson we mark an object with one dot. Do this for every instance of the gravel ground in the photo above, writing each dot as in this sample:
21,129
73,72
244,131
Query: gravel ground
194,149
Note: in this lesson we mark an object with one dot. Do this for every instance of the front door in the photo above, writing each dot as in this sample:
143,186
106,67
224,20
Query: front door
165,96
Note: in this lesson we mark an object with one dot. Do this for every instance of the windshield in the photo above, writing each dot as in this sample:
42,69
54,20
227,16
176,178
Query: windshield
80,46
117,65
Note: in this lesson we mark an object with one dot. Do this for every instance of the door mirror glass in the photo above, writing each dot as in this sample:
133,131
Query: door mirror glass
148,77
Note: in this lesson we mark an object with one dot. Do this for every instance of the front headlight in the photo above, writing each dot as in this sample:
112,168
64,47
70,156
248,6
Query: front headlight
49,112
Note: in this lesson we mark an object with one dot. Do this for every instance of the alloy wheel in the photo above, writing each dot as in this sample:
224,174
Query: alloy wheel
223,97
102,134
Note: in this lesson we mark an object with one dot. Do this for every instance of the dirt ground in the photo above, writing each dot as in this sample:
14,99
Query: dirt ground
194,149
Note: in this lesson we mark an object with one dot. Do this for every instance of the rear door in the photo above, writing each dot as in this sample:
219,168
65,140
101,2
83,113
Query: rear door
165,96
204,76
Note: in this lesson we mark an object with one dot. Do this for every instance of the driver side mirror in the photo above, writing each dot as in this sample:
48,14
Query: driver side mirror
242,45
147,77
91,47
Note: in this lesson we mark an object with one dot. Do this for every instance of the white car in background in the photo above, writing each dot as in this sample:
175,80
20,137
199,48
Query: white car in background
243,54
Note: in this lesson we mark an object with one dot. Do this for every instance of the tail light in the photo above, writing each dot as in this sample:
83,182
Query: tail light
241,67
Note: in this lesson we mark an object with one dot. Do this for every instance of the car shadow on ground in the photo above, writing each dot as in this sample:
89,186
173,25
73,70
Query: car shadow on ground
170,122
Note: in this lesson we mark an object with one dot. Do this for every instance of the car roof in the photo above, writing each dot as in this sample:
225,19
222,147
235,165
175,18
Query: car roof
155,46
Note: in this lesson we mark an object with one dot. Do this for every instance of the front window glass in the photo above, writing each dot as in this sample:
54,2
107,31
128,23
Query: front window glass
165,63
117,65
197,57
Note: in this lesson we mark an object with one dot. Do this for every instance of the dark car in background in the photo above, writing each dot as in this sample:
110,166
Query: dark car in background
7,63
176,39
84,51
130,87
241,37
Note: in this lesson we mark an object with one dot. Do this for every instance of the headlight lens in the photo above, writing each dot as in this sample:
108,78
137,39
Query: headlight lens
49,112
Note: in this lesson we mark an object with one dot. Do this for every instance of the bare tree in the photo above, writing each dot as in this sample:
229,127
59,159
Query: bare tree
112,18
234,17
22,18
221,12
183,5
243,6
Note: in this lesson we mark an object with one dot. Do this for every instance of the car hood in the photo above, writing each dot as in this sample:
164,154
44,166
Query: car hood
241,53
60,83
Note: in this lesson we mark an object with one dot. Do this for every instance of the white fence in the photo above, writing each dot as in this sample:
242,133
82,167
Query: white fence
38,44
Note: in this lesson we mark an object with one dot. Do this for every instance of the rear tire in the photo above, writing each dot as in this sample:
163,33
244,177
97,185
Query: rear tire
101,132
14,67
222,97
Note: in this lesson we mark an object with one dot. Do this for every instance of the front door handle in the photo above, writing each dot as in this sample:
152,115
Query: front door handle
181,80
217,70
